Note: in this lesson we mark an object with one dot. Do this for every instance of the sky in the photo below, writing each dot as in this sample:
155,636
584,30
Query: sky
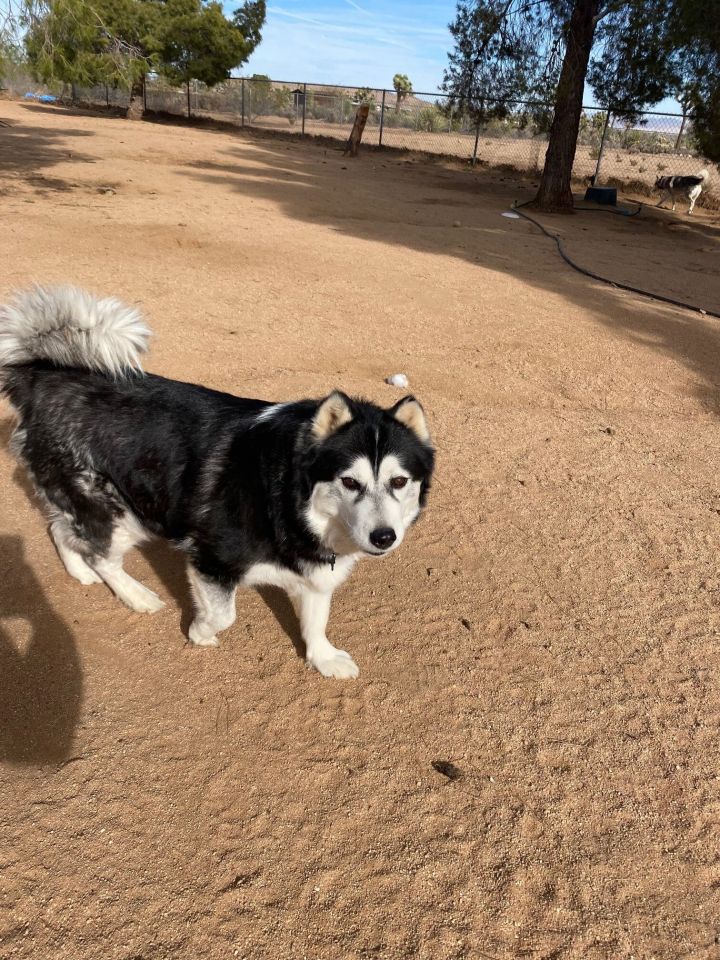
354,42
360,43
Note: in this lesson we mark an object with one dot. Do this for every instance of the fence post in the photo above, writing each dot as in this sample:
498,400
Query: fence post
304,107
382,119
602,149
188,99
682,130
242,101
477,137
144,79
107,97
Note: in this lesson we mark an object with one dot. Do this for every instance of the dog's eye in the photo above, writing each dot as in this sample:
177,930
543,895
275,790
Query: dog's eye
350,483
397,483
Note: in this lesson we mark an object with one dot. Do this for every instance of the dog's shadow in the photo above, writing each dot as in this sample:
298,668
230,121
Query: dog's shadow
278,603
169,566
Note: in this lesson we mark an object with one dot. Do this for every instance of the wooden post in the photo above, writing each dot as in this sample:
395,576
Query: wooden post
682,129
355,137
477,138
382,119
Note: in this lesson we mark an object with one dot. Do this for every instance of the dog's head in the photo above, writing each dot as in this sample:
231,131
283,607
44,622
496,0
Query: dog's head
368,473
662,183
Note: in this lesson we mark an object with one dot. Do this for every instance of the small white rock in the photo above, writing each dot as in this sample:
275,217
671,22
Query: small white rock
397,380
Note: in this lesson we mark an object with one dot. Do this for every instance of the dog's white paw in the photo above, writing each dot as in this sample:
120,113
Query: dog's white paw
149,604
198,638
336,664
79,570
85,577
142,600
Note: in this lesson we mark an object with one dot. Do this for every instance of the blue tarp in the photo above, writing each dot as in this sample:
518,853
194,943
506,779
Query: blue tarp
42,97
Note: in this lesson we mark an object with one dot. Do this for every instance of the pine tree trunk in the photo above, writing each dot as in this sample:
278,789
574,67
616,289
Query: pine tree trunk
136,107
555,193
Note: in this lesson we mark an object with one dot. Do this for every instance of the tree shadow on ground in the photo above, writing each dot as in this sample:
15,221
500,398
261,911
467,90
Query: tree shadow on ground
303,181
70,110
27,149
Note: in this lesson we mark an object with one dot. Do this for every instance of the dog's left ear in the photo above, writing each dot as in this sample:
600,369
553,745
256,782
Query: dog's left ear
334,412
409,412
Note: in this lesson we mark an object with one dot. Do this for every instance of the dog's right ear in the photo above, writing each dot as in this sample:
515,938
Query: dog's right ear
334,412
409,412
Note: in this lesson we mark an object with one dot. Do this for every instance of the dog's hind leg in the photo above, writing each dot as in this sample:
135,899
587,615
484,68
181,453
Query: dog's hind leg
67,543
314,607
214,608
126,533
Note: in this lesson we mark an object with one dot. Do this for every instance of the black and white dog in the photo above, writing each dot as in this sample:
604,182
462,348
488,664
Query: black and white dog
288,494
688,187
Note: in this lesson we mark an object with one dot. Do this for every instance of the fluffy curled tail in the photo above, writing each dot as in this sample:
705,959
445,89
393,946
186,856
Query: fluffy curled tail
72,328
703,175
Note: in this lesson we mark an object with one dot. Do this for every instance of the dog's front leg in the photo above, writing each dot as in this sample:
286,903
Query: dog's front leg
314,610
214,608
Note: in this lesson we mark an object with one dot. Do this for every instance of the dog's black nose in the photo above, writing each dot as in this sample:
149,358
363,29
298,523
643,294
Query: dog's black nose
383,537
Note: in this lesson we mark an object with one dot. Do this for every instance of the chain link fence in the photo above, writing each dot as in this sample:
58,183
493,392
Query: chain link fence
615,153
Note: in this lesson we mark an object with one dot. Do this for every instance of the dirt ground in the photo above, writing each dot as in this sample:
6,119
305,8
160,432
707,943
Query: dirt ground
618,165
551,627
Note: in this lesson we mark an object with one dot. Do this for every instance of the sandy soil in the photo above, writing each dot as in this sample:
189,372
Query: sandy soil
551,628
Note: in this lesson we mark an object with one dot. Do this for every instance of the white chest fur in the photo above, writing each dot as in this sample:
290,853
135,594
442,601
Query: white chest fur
320,577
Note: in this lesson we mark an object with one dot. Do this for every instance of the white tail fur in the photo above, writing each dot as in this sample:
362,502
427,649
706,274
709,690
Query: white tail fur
704,174
71,327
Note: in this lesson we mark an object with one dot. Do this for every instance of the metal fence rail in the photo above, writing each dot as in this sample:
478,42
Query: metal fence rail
626,155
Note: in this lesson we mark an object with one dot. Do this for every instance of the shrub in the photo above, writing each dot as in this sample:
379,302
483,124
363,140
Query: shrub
430,119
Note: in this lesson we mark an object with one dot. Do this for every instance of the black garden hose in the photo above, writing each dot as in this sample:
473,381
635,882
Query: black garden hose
613,283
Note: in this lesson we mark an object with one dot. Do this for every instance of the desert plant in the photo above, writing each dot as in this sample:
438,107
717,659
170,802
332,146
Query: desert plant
365,95
403,88
430,119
